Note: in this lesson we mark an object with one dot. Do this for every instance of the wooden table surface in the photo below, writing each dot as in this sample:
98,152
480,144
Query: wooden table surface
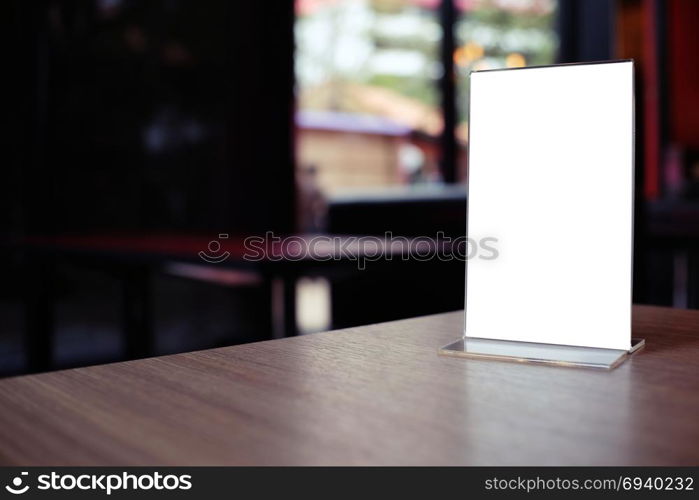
378,394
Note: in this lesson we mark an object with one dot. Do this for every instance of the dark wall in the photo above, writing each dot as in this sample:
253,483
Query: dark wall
167,115
260,123
585,29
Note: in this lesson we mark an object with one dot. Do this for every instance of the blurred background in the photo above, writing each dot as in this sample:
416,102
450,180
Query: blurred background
143,133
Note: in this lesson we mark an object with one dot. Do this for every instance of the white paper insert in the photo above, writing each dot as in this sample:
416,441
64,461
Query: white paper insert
551,177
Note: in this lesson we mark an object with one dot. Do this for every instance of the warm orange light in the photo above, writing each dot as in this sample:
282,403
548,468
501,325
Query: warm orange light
515,60
466,54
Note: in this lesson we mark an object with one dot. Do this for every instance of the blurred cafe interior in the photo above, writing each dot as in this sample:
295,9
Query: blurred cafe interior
147,140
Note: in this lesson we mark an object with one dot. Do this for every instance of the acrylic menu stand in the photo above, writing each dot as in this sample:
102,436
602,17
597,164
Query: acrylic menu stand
533,352
551,178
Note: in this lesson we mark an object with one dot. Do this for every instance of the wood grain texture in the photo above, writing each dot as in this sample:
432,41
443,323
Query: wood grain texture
378,394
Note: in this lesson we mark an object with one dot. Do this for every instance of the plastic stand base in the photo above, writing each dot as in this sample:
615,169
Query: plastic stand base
549,354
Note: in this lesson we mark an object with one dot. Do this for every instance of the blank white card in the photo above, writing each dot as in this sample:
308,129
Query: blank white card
551,177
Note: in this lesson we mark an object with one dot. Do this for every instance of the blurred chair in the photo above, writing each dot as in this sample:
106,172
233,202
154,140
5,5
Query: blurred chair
388,290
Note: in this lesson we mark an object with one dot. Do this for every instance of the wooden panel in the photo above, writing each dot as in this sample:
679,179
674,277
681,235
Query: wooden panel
683,72
378,394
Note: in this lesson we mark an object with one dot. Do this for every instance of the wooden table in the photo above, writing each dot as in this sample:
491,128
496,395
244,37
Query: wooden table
378,394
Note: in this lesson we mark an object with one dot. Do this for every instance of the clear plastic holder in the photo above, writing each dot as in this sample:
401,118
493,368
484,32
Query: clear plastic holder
531,352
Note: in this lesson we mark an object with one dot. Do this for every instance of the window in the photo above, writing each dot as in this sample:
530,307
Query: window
493,34
369,108
367,95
